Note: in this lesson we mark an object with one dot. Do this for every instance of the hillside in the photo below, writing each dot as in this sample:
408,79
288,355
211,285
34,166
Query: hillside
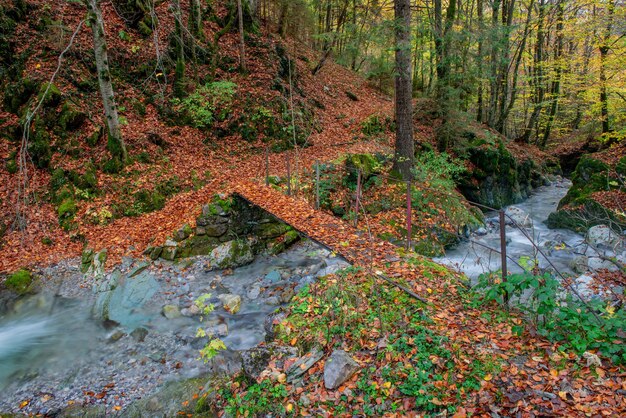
187,164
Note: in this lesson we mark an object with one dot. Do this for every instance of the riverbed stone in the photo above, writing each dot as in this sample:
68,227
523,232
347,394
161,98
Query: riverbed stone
232,303
602,235
273,276
579,264
139,334
519,216
171,312
597,263
338,368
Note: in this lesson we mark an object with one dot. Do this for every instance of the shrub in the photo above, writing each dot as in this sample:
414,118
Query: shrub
206,104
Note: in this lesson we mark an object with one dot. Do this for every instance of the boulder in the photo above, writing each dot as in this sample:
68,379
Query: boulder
602,235
518,216
255,360
232,303
139,334
232,254
338,368
597,263
579,264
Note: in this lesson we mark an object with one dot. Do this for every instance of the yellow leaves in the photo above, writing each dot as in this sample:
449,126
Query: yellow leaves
24,404
293,341
563,395
487,377
289,408
429,290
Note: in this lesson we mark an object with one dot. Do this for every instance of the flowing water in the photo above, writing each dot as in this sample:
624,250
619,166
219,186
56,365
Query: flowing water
475,258
54,353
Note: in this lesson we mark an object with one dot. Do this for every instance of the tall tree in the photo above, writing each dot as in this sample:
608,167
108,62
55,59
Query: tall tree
116,143
405,148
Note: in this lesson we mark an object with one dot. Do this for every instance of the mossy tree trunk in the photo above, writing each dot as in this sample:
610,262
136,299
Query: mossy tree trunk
116,144
405,148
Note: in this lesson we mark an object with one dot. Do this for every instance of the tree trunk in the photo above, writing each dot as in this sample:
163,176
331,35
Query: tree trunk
555,89
604,51
479,101
242,40
537,92
405,148
115,144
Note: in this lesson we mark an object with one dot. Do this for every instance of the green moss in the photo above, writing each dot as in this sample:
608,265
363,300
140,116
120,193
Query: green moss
53,95
11,166
112,166
94,138
148,201
39,144
583,216
67,211
18,94
590,176
20,281
47,241
86,259
70,118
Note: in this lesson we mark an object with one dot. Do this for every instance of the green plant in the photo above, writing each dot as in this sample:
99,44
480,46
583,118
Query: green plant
578,325
439,170
215,345
206,104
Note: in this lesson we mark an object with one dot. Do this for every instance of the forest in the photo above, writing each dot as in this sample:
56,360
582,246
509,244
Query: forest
268,208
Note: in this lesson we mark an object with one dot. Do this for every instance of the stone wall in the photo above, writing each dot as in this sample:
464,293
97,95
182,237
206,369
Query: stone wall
231,232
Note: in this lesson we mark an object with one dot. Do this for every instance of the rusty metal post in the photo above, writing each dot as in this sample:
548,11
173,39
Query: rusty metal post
267,166
503,250
317,185
358,197
288,175
408,215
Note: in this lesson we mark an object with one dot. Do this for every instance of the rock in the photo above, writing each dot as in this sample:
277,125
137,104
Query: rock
169,253
304,363
156,253
255,360
170,243
338,368
519,216
232,254
481,231
602,235
254,292
273,301
596,264
579,265
183,233
215,230
232,303
273,276
200,230
139,334
115,336
171,312
272,324
287,295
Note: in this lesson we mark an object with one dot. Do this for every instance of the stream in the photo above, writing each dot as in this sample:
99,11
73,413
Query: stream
561,246
54,354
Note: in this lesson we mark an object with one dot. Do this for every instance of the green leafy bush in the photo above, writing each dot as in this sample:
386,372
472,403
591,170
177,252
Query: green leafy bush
580,326
206,104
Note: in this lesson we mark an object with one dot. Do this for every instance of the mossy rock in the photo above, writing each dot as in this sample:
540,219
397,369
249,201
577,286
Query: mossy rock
53,96
590,176
70,118
39,144
17,94
148,201
585,215
20,281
